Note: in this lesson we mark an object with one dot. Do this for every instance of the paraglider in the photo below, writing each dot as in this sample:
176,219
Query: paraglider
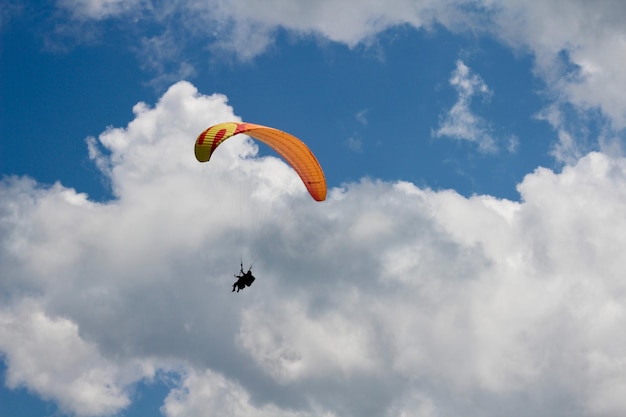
292,149
289,147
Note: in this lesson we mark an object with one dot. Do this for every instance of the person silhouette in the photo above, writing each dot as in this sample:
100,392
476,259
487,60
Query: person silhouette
244,279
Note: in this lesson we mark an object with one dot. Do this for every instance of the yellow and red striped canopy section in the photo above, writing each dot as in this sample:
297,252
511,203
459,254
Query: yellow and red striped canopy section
292,149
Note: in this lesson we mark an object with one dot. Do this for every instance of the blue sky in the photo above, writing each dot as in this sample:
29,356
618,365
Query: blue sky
349,97
466,262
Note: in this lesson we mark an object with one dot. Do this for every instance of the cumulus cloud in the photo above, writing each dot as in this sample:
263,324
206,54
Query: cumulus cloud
202,393
385,299
47,356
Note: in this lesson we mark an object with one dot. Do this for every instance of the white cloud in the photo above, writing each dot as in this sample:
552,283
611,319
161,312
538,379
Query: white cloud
385,299
47,356
460,122
208,393
290,345
589,35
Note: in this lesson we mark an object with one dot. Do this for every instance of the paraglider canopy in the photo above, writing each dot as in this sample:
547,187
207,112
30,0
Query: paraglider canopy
289,147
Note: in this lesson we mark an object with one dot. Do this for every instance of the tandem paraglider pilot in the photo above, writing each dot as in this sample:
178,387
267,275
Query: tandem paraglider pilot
244,279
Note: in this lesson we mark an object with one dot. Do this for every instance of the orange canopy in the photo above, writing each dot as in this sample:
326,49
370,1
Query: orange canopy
292,149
